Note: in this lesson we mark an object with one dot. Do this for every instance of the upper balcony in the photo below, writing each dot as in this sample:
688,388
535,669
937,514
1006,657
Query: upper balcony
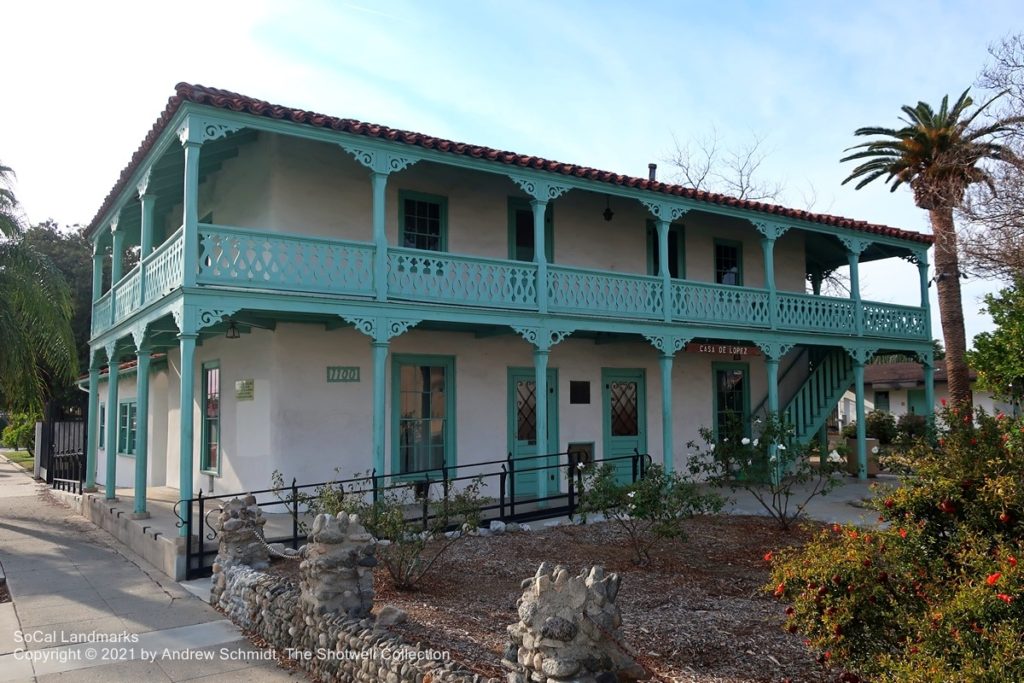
338,215
288,263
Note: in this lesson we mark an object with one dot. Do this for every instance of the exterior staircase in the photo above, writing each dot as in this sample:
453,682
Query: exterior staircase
831,374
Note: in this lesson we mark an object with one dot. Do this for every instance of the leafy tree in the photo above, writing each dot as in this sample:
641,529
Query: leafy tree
70,251
35,313
999,356
939,154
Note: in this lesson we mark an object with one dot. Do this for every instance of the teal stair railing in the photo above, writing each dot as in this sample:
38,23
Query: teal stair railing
809,408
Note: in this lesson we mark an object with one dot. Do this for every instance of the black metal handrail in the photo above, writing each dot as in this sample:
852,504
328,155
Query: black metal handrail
504,509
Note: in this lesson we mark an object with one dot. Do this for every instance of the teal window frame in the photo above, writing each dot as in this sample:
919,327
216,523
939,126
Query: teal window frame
715,368
451,433
102,426
516,204
878,401
652,245
738,246
441,201
127,426
204,443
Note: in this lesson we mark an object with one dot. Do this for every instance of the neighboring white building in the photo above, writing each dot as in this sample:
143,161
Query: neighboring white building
332,294
898,388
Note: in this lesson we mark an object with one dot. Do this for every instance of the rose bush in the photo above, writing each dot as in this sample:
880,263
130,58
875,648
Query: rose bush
937,594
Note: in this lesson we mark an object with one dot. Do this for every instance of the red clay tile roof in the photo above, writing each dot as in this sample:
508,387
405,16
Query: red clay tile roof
223,99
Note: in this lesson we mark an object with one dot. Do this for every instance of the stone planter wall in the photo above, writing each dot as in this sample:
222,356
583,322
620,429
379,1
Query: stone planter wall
323,622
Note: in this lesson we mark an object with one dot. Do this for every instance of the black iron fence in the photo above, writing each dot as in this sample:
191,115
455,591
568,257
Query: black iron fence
63,445
516,490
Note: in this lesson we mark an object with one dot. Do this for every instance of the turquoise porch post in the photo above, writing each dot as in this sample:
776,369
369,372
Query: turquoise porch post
94,423
666,276
540,378
97,270
768,253
379,183
771,364
540,257
862,446
113,424
116,265
668,453
380,358
190,213
929,388
187,344
148,202
141,432
853,258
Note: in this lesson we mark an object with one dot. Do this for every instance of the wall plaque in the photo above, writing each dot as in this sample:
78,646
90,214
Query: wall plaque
245,389
342,373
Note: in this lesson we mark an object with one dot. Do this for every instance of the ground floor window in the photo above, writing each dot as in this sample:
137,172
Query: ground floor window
102,428
882,401
731,395
210,457
126,428
423,412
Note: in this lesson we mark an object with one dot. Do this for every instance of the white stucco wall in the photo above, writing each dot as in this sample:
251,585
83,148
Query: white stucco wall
305,427
157,428
899,403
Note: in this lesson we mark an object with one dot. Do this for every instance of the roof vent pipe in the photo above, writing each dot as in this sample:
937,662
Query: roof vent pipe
652,172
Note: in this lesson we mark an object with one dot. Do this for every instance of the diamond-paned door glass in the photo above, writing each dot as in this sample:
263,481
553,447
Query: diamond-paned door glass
526,411
422,425
731,390
625,419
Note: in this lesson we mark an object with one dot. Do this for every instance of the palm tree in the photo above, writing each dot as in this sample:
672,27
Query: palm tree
939,155
35,313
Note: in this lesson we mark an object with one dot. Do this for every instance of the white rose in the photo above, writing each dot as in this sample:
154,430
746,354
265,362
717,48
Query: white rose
745,441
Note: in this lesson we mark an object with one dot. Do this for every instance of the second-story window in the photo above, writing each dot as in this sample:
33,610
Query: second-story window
728,263
423,221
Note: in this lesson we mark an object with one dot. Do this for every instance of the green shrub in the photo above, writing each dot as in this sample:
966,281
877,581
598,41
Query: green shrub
20,431
413,547
652,508
937,595
773,466
881,425
911,427
849,431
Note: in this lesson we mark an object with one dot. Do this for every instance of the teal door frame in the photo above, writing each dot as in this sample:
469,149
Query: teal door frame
528,484
917,402
448,363
613,446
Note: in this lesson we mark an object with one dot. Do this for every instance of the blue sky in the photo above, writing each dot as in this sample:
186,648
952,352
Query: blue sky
606,84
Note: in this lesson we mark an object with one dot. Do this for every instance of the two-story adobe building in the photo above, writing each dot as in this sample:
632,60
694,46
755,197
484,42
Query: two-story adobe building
326,293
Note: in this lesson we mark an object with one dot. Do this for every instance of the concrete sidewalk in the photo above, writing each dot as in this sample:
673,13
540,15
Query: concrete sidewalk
71,582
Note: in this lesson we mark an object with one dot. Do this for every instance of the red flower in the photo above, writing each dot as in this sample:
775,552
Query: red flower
1012,560
1004,517
780,590
942,443
790,611
768,556
943,402
993,578
889,502
903,533
853,534
1005,598
947,507
974,442
836,528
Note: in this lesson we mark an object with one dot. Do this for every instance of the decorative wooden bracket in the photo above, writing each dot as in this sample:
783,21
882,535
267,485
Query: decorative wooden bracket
542,337
381,330
379,161
668,344
541,190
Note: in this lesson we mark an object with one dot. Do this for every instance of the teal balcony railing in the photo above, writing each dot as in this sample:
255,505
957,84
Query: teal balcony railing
242,258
